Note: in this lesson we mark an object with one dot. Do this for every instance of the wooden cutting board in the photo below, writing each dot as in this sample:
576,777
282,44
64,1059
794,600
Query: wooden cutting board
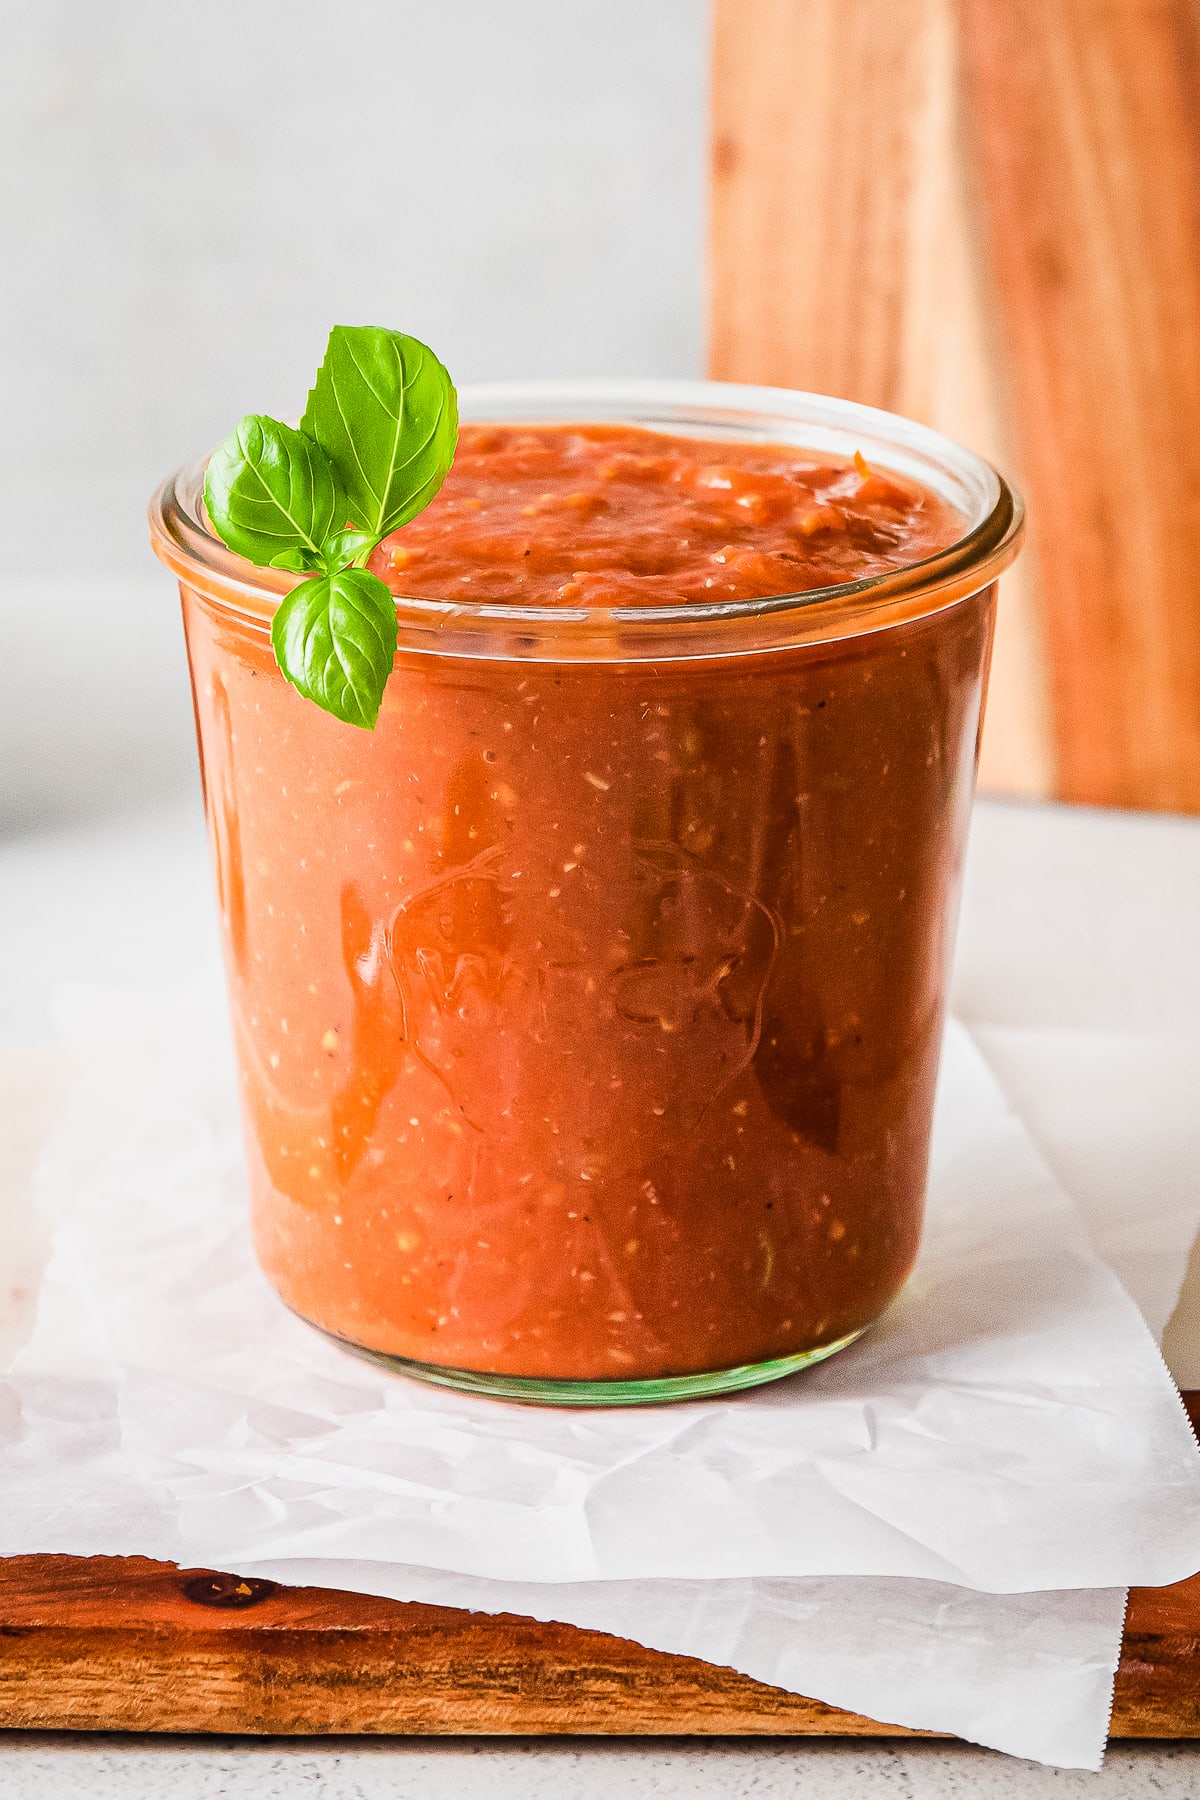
124,1644
982,214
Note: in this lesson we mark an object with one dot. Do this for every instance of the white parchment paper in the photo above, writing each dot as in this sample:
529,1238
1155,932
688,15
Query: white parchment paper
1117,1117
1009,1429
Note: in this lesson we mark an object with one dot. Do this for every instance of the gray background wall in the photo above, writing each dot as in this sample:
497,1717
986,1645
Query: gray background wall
192,195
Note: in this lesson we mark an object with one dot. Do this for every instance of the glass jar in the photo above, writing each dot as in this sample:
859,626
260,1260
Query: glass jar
588,1010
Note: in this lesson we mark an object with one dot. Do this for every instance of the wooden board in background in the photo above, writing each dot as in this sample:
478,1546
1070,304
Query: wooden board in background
122,1644
986,214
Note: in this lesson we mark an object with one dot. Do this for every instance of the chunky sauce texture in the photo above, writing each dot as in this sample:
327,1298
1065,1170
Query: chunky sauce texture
609,515
588,1013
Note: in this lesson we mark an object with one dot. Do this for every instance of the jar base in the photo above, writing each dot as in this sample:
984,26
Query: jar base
537,1390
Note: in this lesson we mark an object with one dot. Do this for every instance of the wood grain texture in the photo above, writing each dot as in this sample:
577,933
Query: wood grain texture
103,1644
844,260
833,184
984,213
124,1644
1086,120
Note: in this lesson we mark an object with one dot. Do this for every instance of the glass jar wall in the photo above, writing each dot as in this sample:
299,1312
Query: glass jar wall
588,1010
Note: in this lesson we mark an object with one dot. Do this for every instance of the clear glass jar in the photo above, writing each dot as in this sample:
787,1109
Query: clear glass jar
588,1010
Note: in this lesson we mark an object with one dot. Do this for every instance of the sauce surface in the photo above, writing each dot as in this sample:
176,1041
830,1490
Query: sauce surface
588,1014
613,515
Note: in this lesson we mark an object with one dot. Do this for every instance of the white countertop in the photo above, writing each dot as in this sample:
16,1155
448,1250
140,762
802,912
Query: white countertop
1073,923
41,1766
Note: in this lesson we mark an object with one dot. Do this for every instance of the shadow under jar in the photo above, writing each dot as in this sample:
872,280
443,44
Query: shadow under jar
588,1010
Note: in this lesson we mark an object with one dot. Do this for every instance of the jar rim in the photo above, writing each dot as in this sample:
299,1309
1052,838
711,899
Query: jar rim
991,508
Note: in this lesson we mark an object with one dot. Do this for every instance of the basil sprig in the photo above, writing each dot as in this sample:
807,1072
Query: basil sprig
384,412
374,446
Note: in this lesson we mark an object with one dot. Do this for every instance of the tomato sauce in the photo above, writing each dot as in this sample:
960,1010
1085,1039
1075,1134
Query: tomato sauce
609,515
588,1013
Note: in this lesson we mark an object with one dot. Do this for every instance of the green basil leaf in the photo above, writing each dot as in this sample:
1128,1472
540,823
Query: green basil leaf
341,548
385,413
335,640
304,562
271,490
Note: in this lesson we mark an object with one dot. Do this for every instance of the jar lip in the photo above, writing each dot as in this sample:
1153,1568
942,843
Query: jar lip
993,511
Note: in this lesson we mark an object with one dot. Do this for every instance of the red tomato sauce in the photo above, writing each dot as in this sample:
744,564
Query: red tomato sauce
588,1013
609,515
